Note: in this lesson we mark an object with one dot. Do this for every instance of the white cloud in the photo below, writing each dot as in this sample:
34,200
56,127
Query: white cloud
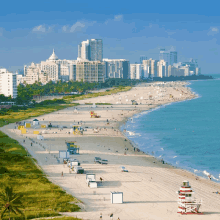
78,26
213,31
65,28
40,28
118,17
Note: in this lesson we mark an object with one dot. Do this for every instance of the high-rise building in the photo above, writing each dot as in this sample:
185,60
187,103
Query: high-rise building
168,56
84,50
31,73
192,66
152,67
173,71
173,57
91,50
90,71
8,83
117,68
142,58
164,55
51,68
162,69
136,71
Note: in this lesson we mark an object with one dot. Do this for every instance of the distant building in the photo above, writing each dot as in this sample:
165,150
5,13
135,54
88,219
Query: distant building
136,71
142,58
164,55
173,71
91,50
162,68
31,73
51,68
90,71
117,68
168,56
192,66
173,57
8,83
151,66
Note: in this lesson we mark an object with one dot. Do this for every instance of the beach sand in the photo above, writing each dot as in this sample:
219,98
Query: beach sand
149,187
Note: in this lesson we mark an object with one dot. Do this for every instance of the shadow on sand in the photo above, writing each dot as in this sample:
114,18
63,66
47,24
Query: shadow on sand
126,202
106,184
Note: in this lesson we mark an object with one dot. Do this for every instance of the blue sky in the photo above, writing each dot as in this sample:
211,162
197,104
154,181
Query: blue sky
29,30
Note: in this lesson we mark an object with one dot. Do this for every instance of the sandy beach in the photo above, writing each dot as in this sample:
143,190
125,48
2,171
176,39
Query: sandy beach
149,187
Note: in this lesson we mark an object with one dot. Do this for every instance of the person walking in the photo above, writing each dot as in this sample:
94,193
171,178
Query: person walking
111,215
62,174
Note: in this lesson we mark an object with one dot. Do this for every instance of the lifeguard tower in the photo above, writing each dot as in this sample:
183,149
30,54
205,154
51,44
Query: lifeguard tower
77,130
187,203
72,148
94,115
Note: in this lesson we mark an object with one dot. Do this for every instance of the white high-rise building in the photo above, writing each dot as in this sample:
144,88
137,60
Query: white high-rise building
168,56
91,50
83,50
117,68
151,67
136,71
8,83
51,68
31,73
162,69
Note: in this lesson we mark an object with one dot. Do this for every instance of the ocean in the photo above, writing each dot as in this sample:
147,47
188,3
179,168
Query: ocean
185,134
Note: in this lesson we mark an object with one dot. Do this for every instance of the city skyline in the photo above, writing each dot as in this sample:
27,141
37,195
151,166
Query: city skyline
29,33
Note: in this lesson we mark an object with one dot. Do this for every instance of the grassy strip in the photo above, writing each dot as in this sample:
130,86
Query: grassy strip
12,117
93,95
41,198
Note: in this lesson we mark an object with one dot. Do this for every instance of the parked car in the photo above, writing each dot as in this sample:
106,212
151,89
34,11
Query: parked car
97,159
103,161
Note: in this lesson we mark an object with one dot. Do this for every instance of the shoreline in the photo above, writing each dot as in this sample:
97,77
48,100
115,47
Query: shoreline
145,171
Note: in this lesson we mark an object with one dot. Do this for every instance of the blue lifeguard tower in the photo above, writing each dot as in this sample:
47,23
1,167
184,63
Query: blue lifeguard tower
72,148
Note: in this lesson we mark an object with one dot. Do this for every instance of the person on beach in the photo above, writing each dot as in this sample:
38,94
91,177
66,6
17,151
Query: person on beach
46,159
100,216
31,144
101,179
62,174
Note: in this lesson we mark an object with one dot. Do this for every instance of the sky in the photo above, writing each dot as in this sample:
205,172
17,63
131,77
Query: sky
30,30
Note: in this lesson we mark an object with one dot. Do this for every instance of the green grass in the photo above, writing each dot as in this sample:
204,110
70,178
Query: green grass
41,198
13,117
93,95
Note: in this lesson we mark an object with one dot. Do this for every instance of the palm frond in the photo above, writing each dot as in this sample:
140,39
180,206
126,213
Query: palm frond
3,212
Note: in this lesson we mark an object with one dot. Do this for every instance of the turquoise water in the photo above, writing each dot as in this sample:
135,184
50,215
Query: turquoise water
185,134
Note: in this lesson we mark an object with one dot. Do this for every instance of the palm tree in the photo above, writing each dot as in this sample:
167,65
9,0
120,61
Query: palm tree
10,202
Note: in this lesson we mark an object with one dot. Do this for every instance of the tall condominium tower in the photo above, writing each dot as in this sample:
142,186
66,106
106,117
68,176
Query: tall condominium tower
168,56
91,50
142,58
173,57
